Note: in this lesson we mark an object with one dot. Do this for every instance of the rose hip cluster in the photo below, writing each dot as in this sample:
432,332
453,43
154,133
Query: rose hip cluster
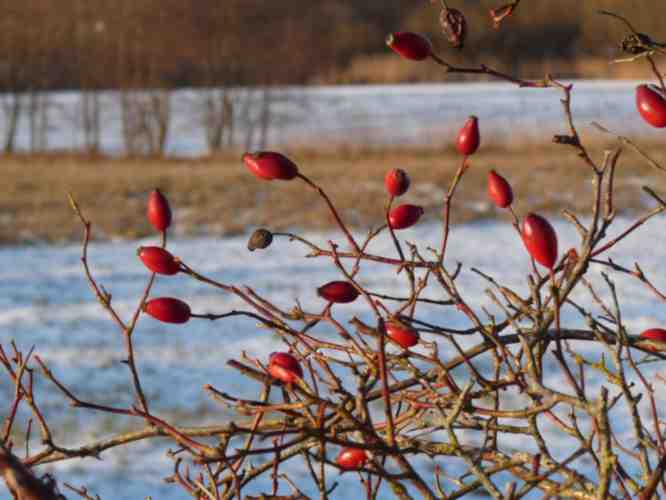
537,234
160,261
282,366
333,389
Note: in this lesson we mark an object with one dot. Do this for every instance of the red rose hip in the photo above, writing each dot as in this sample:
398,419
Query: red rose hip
396,182
352,458
410,45
651,104
270,165
404,216
540,240
158,260
341,292
284,367
402,335
654,334
499,190
159,212
468,139
168,310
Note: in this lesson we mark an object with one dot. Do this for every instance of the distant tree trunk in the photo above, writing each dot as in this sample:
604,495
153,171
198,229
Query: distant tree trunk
146,119
229,119
248,120
12,106
158,120
211,121
90,121
264,117
218,119
87,40
130,129
38,117
257,117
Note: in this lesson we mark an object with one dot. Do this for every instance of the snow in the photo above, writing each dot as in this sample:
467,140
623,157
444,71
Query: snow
45,301
424,115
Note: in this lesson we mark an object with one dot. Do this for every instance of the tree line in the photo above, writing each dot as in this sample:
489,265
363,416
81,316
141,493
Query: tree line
95,44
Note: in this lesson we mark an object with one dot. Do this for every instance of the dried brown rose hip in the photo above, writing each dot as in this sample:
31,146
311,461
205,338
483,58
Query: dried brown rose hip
636,43
341,292
468,139
284,367
410,45
270,165
454,27
404,216
159,212
500,13
396,182
159,260
352,458
499,190
540,240
261,238
168,310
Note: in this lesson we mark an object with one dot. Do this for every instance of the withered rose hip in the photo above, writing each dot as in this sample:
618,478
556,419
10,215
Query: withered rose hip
158,260
284,367
270,165
341,292
454,27
168,310
260,238
159,212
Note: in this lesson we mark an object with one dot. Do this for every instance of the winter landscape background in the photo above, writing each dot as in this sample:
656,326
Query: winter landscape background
45,300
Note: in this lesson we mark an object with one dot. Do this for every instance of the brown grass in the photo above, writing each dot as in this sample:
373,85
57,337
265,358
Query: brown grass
217,196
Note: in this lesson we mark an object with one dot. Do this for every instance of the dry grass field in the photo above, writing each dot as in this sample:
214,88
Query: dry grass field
217,196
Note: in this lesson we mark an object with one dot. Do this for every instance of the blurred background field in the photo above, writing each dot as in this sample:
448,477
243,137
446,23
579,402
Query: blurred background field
344,138
133,76
110,99
218,197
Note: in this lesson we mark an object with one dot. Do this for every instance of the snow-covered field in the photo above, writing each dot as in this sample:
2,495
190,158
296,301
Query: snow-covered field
425,115
45,301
